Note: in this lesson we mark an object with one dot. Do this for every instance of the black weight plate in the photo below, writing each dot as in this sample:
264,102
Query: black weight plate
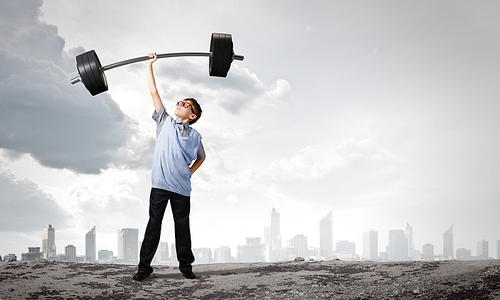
213,61
93,78
93,85
220,54
227,55
100,79
216,58
83,73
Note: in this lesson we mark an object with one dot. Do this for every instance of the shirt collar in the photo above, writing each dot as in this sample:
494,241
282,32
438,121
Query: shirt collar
182,124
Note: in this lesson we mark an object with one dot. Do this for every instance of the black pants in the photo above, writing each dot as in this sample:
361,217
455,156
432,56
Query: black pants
180,209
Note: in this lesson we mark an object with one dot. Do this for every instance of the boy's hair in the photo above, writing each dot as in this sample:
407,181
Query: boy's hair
197,109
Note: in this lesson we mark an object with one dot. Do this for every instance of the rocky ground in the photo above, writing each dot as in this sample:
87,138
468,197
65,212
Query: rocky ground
287,280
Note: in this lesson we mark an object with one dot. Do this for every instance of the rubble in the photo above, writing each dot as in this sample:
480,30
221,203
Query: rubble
332,279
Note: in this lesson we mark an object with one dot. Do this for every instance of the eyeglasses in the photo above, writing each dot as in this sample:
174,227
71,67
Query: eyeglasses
186,105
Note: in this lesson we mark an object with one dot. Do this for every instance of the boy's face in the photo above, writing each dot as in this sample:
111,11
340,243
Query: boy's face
185,111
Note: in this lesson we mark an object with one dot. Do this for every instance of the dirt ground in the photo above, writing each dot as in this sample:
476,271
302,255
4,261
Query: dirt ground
286,280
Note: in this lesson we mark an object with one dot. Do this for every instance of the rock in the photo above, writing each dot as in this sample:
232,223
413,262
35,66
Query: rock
299,259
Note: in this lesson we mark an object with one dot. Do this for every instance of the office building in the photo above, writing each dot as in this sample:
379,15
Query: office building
10,257
482,249
90,247
463,254
275,230
49,242
173,256
105,255
370,245
70,253
164,255
345,250
272,236
398,246
345,247
448,244
409,237
222,254
202,255
299,244
428,252
128,245
33,254
326,236
252,251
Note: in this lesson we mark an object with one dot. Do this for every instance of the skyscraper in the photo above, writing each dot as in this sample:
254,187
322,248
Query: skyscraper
222,255
428,252
409,237
463,253
448,243
251,252
105,255
299,244
275,230
90,247
370,245
398,245
202,255
49,242
498,249
482,249
70,252
345,247
163,249
128,245
326,236
272,234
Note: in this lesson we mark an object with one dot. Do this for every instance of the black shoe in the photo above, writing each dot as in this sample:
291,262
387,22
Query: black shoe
141,275
189,274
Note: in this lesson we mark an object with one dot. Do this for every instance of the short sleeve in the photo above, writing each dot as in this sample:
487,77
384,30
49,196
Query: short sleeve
201,152
160,118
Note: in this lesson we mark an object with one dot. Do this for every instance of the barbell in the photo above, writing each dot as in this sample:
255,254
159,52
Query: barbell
91,71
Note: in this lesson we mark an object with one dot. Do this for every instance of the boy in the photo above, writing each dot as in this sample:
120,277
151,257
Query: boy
177,146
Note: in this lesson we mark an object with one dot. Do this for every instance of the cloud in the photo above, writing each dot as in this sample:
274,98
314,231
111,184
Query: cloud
25,207
350,173
350,155
43,115
106,205
240,91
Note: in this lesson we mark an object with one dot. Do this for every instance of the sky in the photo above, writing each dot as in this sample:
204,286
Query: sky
383,112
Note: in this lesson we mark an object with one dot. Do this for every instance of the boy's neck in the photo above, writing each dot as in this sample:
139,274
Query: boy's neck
184,120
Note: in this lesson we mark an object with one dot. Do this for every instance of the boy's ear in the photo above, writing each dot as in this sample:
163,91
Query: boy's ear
193,116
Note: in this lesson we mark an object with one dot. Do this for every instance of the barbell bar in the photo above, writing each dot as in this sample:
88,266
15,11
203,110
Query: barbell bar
91,71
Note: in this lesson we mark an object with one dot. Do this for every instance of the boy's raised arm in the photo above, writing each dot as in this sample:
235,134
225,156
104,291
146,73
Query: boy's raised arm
152,84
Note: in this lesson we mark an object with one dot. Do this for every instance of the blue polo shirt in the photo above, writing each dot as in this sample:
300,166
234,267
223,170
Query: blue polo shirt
177,146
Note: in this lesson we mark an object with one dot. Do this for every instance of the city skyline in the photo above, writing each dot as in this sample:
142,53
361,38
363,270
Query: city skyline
383,114
399,248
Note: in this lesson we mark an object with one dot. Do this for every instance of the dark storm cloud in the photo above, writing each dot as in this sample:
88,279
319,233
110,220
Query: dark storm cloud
25,207
42,114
